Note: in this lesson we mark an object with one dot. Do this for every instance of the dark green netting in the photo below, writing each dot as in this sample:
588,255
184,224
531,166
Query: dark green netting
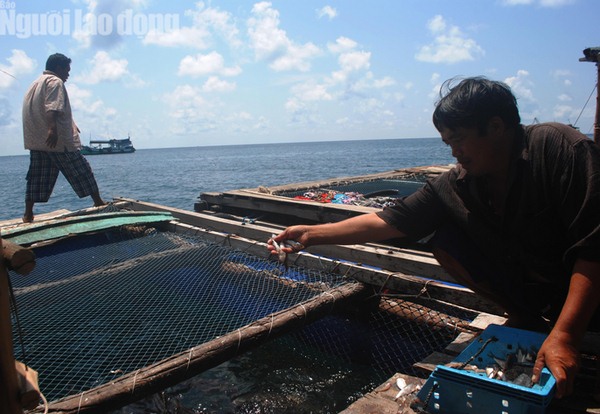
96,307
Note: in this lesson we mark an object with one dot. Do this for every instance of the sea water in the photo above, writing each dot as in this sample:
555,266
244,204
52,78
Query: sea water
176,176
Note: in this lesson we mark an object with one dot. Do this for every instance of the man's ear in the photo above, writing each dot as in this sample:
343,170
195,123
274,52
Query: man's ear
496,126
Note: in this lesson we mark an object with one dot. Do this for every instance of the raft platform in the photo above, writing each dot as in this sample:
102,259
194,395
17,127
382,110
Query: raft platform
405,286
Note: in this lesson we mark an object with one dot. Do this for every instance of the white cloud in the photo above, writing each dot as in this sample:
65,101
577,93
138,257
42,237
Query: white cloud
342,44
311,91
563,97
92,116
19,64
104,68
202,65
271,44
214,84
450,45
196,37
384,82
207,23
563,76
327,11
521,85
191,112
563,113
354,61
351,62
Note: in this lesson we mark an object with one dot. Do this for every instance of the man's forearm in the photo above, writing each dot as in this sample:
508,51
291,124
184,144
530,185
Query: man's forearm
582,301
359,229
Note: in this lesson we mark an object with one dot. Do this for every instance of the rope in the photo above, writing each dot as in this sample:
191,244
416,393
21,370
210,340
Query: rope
304,309
479,351
190,358
423,409
586,102
80,401
45,403
271,326
134,380
239,341
424,290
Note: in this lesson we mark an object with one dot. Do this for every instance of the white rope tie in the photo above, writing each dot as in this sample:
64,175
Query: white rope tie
271,326
134,380
239,341
189,358
80,401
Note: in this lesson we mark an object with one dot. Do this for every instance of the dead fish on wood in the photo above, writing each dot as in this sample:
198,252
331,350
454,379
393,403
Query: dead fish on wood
290,244
405,389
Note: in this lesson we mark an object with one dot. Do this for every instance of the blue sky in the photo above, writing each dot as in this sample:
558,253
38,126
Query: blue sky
184,73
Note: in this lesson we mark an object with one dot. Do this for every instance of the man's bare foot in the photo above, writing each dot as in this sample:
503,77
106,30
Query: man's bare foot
27,218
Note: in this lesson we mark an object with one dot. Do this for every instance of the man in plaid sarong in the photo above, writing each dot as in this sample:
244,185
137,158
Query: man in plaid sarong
52,137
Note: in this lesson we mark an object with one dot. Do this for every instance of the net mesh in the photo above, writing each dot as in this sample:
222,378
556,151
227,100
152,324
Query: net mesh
100,306
110,304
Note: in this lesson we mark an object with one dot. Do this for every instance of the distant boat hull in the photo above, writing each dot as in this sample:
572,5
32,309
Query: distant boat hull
85,150
111,146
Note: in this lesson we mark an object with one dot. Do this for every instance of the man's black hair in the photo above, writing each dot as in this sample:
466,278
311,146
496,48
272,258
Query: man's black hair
57,60
473,102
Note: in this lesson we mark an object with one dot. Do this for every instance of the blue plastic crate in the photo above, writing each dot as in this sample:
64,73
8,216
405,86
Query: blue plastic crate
456,391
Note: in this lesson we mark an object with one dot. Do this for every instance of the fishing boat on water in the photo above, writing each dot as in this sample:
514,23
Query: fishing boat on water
111,146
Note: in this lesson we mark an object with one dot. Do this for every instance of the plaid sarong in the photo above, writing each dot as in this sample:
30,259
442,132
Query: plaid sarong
43,172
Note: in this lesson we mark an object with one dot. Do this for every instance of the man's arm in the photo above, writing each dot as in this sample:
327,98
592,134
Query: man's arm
52,138
560,351
359,229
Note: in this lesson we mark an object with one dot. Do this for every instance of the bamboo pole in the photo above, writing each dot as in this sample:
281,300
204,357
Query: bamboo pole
9,390
136,385
597,118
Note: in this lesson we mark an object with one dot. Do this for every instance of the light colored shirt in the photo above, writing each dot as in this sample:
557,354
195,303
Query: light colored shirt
48,93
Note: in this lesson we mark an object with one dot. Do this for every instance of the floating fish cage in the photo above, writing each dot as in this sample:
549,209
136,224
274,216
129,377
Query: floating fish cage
319,201
114,315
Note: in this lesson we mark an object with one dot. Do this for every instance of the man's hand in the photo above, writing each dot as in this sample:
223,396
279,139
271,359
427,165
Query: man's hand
562,359
52,138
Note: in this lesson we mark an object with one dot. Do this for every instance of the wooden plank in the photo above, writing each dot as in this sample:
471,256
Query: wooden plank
460,343
38,217
300,210
429,363
386,257
484,319
382,400
398,174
